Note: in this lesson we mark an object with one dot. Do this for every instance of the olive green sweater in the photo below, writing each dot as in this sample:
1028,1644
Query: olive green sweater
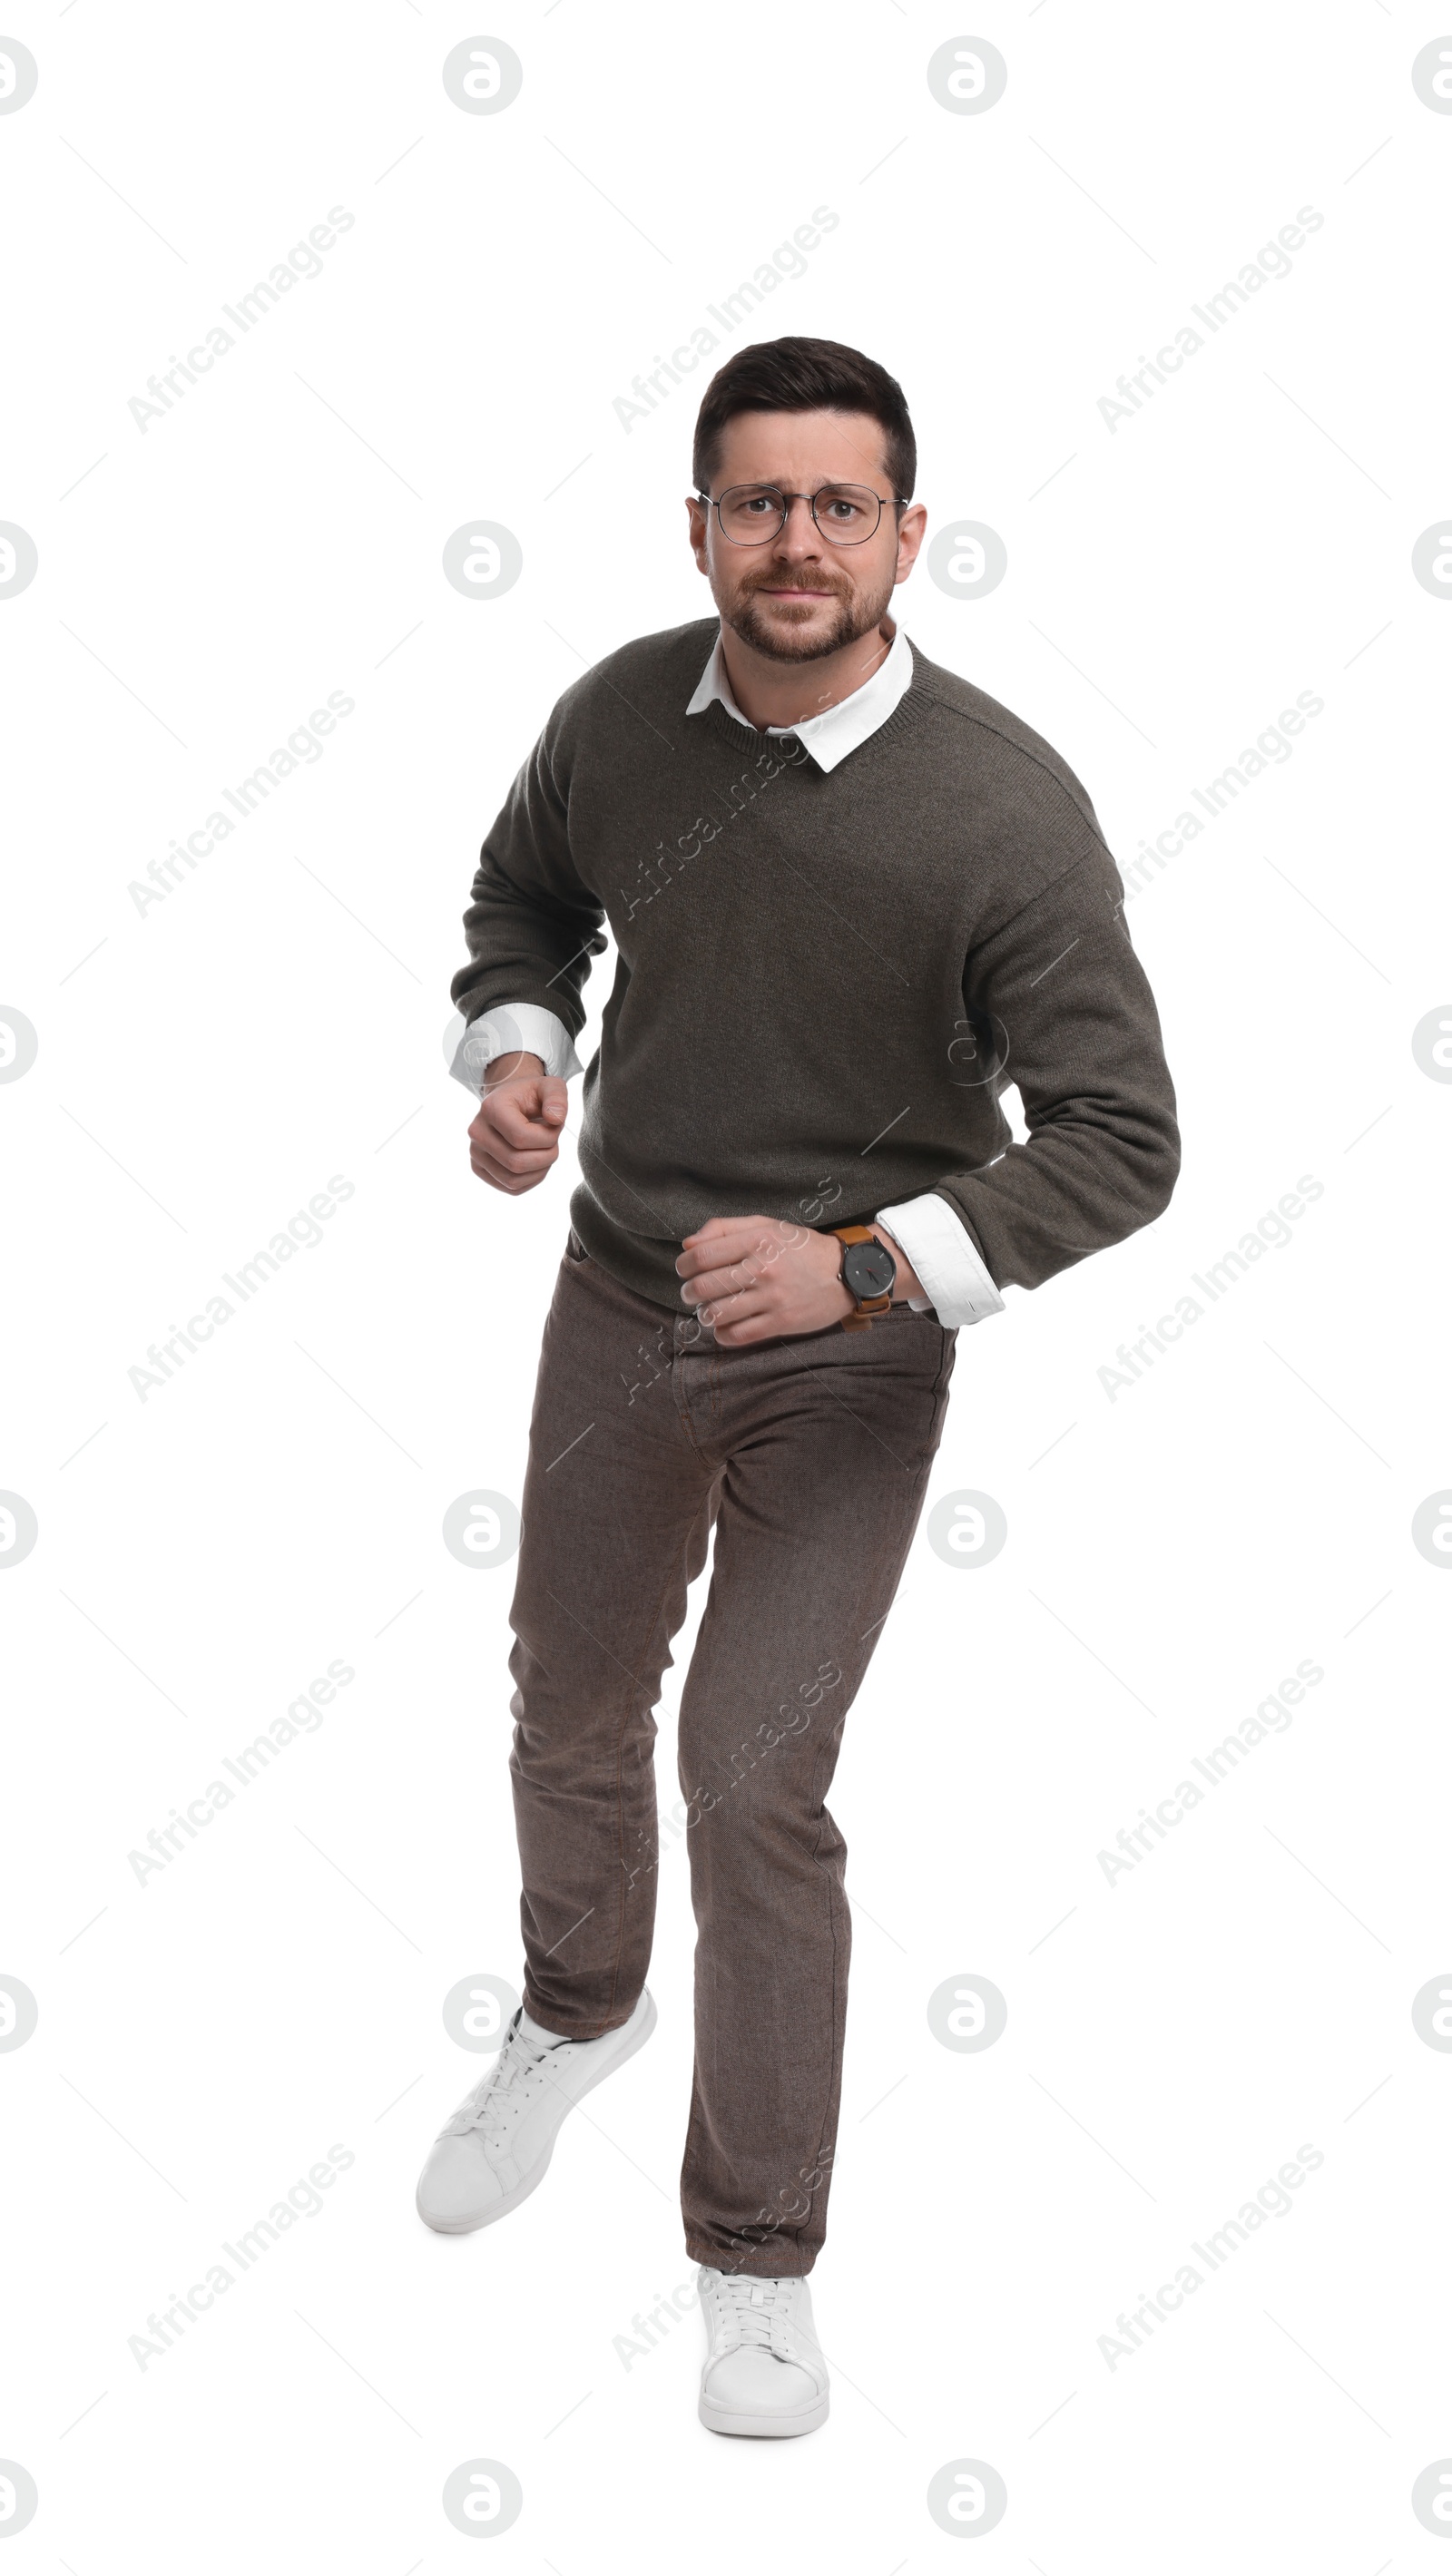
824,980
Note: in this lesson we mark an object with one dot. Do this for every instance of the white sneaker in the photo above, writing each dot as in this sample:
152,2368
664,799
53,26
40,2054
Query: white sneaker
764,2369
495,2150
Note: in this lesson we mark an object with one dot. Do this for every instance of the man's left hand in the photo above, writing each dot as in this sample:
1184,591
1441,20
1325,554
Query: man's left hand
754,1277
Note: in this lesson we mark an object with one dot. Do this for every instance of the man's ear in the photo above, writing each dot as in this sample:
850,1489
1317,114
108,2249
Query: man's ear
697,518
911,531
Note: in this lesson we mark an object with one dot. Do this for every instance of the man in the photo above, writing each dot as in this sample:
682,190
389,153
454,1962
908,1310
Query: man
851,898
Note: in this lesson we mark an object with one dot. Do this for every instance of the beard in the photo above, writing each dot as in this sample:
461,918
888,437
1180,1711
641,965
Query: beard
857,613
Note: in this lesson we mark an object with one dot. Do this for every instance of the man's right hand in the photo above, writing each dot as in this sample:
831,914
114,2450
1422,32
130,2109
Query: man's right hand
516,1136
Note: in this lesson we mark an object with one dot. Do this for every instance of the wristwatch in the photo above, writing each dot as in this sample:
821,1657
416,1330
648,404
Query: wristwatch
868,1270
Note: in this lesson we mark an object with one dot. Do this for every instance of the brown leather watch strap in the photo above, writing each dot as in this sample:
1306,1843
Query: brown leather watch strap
860,1320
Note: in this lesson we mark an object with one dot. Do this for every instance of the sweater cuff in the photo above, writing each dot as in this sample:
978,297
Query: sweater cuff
947,1261
512,1028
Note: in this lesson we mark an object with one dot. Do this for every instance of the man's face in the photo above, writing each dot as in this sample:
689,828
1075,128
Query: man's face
798,596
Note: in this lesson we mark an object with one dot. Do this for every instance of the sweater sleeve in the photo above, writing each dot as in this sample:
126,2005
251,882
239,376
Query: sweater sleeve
1074,1025
532,927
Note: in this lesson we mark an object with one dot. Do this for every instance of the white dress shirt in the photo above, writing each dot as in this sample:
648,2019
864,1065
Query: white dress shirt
929,1229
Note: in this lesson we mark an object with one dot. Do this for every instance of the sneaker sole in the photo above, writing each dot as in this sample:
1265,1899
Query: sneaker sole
532,2181
718,2419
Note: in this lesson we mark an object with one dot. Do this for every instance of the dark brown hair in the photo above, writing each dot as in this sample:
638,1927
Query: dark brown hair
806,375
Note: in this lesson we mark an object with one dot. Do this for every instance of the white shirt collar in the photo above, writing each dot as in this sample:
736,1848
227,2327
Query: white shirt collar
831,736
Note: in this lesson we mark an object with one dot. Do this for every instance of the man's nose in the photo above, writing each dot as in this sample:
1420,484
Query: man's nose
799,533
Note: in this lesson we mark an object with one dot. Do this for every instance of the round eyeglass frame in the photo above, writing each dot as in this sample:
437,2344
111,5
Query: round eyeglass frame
894,500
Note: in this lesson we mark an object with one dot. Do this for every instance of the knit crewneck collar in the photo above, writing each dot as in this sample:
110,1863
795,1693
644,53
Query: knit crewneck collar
839,730
916,702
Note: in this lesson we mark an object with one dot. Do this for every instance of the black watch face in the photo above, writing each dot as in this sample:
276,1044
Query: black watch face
868,1269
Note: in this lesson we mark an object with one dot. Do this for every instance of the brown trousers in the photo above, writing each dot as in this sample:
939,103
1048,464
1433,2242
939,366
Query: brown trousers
810,1455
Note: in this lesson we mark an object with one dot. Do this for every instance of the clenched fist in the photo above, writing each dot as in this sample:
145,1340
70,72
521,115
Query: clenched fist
757,1277
754,1278
516,1136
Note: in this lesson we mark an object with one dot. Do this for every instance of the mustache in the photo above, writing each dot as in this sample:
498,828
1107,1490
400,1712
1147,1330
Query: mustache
820,590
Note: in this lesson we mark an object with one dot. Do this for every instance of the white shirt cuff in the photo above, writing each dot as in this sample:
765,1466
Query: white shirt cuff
512,1028
943,1254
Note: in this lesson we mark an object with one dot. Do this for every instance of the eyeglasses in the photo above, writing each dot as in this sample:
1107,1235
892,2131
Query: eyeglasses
846,514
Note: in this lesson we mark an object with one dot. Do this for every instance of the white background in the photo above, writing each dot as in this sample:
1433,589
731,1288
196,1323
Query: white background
206,1066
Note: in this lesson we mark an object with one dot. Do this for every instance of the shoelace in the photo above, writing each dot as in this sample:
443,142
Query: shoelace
503,2090
751,2309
